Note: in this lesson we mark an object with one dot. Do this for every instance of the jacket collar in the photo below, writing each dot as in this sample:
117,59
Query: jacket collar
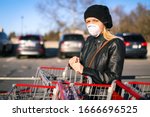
100,39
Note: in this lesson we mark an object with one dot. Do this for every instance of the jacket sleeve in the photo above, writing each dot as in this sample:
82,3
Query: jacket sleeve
113,68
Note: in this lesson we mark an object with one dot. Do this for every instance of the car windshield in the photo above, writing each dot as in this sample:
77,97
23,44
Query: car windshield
3,36
33,38
133,38
74,37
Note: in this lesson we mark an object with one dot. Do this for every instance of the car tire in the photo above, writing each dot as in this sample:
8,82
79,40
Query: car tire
18,56
143,57
61,55
3,51
42,55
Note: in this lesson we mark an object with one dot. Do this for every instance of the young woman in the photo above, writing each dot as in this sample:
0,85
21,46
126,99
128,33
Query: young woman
102,56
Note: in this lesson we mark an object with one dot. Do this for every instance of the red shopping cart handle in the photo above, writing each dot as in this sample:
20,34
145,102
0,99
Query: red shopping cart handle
53,68
140,83
64,82
35,86
129,90
96,85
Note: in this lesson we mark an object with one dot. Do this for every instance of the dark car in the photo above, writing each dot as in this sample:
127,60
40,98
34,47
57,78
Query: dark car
70,45
136,45
30,45
5,44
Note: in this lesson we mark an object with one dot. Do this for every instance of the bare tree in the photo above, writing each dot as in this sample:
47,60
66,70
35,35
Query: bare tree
118,14
137,21
64,14
143,21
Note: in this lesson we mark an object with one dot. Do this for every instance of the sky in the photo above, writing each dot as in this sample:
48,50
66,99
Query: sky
22,16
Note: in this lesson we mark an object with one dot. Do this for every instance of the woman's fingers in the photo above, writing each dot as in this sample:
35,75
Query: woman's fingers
74,59
78,67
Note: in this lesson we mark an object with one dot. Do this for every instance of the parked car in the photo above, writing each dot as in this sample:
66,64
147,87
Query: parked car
70,45
5,44
136,45
30,45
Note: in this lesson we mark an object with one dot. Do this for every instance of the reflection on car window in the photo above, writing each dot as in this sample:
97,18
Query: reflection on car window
133,38
74,37
33,38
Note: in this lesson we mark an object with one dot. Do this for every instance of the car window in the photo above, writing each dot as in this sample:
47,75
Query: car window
73,37
33,38
3,36
133,38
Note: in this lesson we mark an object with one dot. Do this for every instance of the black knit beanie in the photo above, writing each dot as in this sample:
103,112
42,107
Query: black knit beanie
100,12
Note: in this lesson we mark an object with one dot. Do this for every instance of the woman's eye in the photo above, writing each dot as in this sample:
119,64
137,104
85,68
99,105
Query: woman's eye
95,20
87,21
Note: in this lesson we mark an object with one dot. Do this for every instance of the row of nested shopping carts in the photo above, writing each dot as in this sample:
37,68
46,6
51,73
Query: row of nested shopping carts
51,83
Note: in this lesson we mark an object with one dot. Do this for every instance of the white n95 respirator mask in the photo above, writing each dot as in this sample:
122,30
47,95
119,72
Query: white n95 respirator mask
93,30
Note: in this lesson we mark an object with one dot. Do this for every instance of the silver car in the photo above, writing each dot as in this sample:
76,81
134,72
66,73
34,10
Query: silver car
70,45
30,45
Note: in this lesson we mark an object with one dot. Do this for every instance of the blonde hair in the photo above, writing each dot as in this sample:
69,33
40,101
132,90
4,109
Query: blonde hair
108,35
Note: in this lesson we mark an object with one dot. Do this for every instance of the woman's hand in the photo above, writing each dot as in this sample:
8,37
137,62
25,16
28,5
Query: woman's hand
74,62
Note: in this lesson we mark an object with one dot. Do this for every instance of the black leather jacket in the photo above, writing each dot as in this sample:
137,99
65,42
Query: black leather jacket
108,63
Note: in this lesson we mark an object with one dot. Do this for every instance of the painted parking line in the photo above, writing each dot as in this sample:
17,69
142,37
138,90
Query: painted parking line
59,60
10,59
18,78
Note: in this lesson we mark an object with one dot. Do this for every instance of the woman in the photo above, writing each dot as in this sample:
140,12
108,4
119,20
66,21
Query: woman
102,56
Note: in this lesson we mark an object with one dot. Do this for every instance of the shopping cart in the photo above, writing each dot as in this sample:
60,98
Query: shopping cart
82,91
50,74
85,91
121,91
142,88
27,92
64,90
44,82
69,83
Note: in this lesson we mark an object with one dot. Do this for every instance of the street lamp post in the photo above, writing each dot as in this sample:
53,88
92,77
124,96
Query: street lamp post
22,18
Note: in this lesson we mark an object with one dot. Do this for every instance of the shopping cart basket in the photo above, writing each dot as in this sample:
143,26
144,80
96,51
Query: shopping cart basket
28,92
122,91
48,74
82,91
142,88
85,91
44,82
